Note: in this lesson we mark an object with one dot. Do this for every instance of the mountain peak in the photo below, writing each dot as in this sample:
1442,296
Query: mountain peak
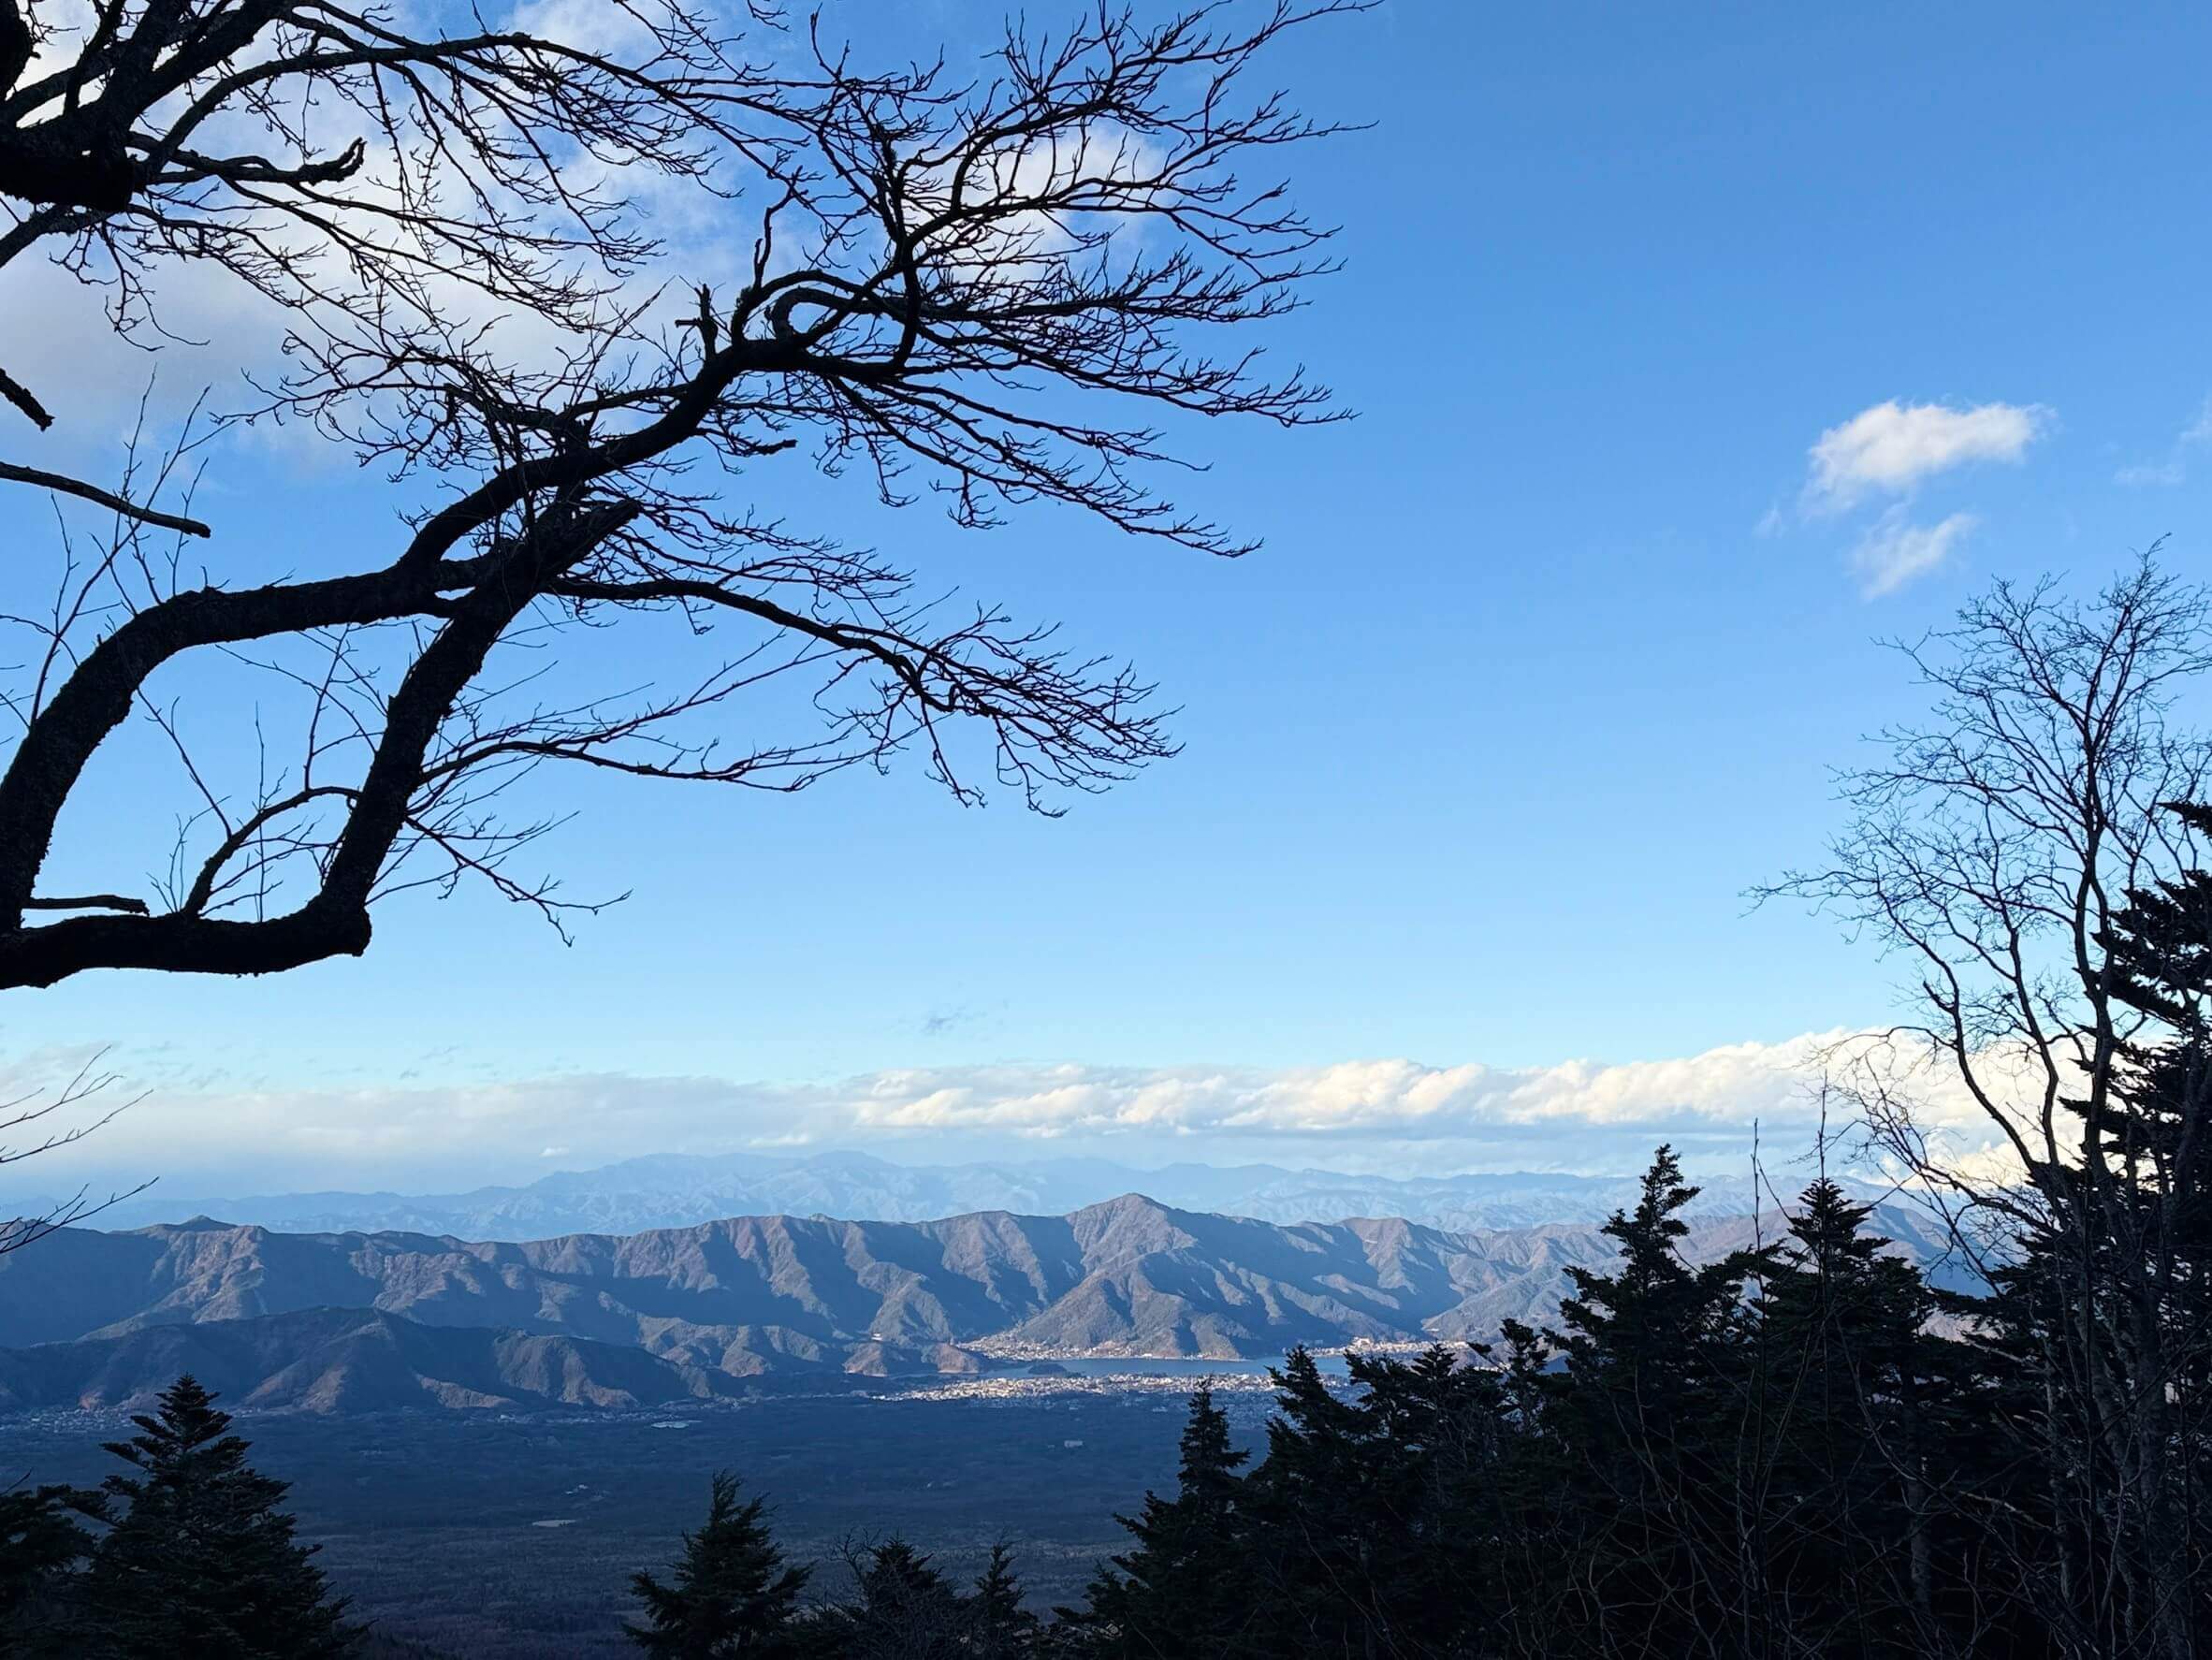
1123,1204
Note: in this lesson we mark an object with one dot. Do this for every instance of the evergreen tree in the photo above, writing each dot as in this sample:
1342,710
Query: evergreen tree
2101,1324
203,1566
2158,1145
905,1609
1180,1589
1853,1399
1653,1357
1370,1517
728,1594
41,1552
1648,1332
1546,1531
999,1626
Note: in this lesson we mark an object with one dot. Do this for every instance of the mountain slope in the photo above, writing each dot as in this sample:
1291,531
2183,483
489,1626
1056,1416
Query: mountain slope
753,1295
741,1295
329,1359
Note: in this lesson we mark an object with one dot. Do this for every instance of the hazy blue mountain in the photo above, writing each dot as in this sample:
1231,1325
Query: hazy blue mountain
755,1293
669,1190
750,1296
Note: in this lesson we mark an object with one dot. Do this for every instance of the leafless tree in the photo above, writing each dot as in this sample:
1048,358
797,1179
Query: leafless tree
44,1119
984,290
345,164
1996,852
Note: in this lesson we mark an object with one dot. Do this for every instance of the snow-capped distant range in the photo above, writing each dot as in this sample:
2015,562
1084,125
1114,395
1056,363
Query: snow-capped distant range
677,1190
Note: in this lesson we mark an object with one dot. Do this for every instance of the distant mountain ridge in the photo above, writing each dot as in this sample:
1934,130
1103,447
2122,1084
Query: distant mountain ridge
680,1190
97,1317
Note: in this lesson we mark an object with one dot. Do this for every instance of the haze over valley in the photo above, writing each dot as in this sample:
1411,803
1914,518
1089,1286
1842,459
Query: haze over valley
677,1190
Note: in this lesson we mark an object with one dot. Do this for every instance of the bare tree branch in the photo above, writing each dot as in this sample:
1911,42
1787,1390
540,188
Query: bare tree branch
989,294
44,1118
93,493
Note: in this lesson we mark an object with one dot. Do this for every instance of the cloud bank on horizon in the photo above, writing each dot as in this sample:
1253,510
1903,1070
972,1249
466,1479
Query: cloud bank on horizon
1391,1115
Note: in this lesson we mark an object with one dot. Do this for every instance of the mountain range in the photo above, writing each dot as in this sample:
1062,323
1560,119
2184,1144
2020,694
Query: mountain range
676,1190
350,1320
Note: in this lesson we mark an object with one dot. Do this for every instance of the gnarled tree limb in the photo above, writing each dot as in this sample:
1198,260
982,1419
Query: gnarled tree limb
945,294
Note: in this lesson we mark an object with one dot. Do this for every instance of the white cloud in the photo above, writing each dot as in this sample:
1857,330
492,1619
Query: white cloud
1385,1113
1890,448
1895,551
2173,469
93,380
1397,1097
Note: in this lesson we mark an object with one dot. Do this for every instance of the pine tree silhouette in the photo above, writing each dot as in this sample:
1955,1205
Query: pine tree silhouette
730,1593
41,1548
1179,1592
906,1609
999,1626
1653,1352
203,1566
1852,1393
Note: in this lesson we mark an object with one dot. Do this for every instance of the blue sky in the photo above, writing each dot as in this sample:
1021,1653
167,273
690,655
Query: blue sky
1547,658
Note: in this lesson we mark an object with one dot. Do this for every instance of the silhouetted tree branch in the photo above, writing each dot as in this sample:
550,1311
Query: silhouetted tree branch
44,1120
138,135
962,288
